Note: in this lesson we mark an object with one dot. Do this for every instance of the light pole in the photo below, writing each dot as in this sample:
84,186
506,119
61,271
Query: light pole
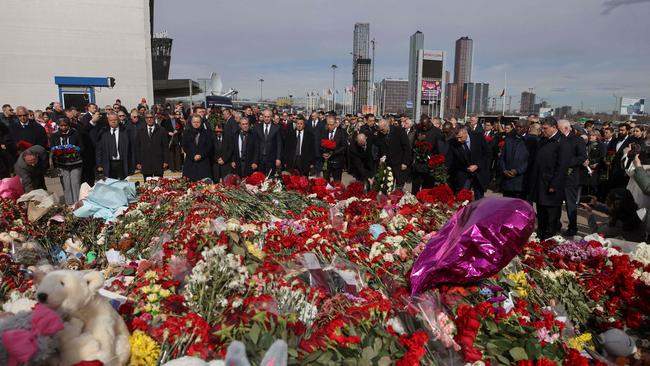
372,82
334,67
261,89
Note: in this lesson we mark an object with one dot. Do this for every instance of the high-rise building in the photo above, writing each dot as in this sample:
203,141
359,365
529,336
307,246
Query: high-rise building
463,61
527,103
453,103
562,112
361,64
463,65
392,95
475,97
416,44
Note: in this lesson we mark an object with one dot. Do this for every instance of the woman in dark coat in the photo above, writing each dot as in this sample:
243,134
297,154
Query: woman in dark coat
70,166
589,182
197,145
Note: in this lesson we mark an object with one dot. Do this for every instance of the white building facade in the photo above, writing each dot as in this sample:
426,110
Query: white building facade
78,44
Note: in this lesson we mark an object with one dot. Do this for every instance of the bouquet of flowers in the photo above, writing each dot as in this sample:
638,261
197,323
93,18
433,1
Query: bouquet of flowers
609,158
328,146
66,155
437,168
384,181
422,153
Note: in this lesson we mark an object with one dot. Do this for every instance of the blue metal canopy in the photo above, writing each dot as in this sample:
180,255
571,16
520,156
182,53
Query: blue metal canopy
81,81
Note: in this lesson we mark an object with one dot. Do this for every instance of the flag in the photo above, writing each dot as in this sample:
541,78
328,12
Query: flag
503,92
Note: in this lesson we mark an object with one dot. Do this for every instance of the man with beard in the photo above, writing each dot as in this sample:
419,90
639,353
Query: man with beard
512,165
394,145
548,179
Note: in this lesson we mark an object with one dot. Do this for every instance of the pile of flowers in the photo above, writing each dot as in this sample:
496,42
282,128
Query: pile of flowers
326,268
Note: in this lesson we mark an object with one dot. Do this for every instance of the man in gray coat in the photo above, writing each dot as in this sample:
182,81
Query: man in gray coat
31,166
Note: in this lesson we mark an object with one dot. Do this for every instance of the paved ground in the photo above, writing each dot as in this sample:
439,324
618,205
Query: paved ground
54,185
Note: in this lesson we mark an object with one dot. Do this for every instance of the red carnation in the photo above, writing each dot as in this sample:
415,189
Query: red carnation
328,144
465,195
423,145
501,144
23,145
489,138
255,179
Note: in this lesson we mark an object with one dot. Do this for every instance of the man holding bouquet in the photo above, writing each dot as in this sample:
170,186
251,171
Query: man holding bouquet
333,145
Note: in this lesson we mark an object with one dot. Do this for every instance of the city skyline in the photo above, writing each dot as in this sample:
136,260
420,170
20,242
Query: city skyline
577,56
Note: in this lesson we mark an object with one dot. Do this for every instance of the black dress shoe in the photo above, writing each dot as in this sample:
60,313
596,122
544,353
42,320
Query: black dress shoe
570,232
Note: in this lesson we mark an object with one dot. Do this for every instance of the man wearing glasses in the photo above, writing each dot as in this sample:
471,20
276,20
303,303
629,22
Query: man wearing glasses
8,117
26,130
174,126
132,125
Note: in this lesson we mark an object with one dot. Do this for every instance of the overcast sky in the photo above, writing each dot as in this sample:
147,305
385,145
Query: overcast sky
568,51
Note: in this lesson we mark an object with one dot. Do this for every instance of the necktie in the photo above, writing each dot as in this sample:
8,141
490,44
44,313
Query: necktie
331,135
266,131
466,145
150,131
299,144
115,144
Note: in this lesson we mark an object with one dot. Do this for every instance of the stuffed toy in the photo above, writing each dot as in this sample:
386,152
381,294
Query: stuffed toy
28,338
95,331
236,356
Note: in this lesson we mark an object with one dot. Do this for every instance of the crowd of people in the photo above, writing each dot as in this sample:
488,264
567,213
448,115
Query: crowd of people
547,162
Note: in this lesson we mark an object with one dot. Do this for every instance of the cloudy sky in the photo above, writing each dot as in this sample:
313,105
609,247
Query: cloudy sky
569,51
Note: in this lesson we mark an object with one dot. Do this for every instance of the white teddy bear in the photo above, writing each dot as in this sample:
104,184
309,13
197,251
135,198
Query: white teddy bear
95,331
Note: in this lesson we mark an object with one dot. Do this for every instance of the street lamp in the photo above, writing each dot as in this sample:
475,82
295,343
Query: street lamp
261,89
334,67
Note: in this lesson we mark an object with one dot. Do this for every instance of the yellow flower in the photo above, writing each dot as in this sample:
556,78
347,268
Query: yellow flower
254,250
144,350
150,275
580,342
152,298
165,293
521,284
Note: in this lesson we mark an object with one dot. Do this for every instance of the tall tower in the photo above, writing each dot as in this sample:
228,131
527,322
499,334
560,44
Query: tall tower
416,43
360,65
462,69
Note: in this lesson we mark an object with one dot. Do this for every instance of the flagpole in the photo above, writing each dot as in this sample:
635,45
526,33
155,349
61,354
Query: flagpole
466,95
505,87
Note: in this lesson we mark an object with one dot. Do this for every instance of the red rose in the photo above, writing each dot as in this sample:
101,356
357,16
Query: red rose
436,160
328,144
465,195
501,144
489,138
423,146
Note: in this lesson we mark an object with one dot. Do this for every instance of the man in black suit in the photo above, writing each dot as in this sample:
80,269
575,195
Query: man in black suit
222,154
370,129
394,145
113,150
26,130
317,126
577,157
299,152
548,179
362,166
474,125
407,125
231,127
152,148
245,154
467,161
270,144
618,178
336,158
133,124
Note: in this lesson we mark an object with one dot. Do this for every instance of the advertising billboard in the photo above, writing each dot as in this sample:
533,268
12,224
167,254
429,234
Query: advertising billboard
632,106
545,112
431,89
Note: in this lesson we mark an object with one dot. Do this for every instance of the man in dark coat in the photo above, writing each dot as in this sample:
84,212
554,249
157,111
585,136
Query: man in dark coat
618,178
113,150
299,152
577,156
531,141
7,152
245,152
474,125
222,154
548,179
467,162
394,145
26,130
151,148
90,132
410,131
231,127
336,158
132,125
512,165
8,118
31,166
362,166
270,144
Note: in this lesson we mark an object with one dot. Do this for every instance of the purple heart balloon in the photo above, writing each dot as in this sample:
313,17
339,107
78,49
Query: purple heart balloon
477,242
